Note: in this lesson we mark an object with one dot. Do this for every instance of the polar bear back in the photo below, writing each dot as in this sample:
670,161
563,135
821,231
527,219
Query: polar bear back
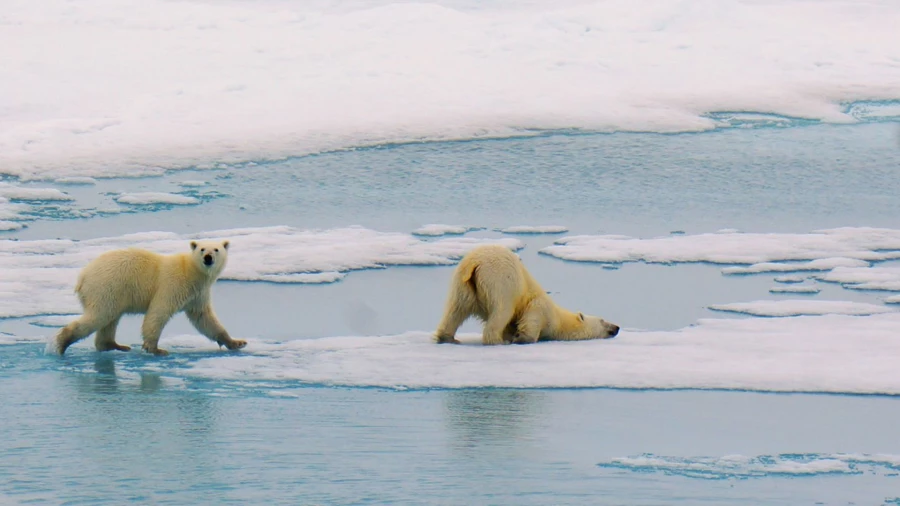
127,280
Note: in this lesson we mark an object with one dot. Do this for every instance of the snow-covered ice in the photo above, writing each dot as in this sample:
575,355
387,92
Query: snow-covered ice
873,278
154,198
437,229
832,353
38,276
801,307
821,264
174,84
831,247
535,229
12,192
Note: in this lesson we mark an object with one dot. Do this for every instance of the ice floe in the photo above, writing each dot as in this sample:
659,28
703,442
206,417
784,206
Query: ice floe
38,276
801,307
825,354
325,75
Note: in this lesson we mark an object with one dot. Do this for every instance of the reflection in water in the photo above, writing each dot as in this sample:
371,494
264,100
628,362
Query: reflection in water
493,417
136,424
108,381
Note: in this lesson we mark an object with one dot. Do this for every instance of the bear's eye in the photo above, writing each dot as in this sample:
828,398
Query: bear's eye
217,250
202,250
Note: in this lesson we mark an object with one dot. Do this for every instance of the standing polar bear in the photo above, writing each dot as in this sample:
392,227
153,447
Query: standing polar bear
492,284
136,281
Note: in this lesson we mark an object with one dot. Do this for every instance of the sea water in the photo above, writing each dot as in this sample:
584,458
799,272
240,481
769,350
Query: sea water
374,419
718,178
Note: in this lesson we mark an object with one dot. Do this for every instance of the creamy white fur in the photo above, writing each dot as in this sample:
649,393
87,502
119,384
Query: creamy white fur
137,281
491,283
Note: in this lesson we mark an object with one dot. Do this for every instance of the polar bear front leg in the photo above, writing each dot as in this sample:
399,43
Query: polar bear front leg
154,320
203,318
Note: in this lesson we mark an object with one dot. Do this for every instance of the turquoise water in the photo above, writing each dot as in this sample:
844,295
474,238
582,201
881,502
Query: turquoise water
93,428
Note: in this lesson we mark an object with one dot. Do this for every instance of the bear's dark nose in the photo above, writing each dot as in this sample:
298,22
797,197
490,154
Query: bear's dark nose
614,331
208,259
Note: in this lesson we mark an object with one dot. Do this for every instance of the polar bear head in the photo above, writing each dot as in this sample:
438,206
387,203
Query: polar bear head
210,256
596,327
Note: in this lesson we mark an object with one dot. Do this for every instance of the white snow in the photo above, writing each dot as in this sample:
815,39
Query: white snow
38,276
873,278
893,299
821,264
151,198
790,279
795,289
175,83
436,229
855,243
740,466
75,180
535,229
801,307
11,192
832,353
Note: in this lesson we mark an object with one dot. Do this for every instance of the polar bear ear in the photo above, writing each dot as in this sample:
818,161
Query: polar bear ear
225,244
193,245
581,316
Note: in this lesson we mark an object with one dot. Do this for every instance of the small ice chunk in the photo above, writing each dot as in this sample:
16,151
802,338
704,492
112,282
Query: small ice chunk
811,289
76,180
535,229
6,226
790,279
151,198
192,183
779,308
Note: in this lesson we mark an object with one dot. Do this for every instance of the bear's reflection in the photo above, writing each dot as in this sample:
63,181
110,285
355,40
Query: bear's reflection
107,380
126,418
492,417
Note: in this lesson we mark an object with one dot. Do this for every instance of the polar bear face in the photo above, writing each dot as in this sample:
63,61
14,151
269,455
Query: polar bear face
210,256
597,327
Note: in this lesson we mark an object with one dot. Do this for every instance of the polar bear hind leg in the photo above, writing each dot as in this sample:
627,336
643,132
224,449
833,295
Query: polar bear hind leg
106,338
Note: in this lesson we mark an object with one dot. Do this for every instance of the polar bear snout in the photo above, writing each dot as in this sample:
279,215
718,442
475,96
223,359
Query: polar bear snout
613,330
208,259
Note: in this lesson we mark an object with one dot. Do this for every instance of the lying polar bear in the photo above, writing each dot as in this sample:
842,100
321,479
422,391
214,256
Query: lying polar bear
492,284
